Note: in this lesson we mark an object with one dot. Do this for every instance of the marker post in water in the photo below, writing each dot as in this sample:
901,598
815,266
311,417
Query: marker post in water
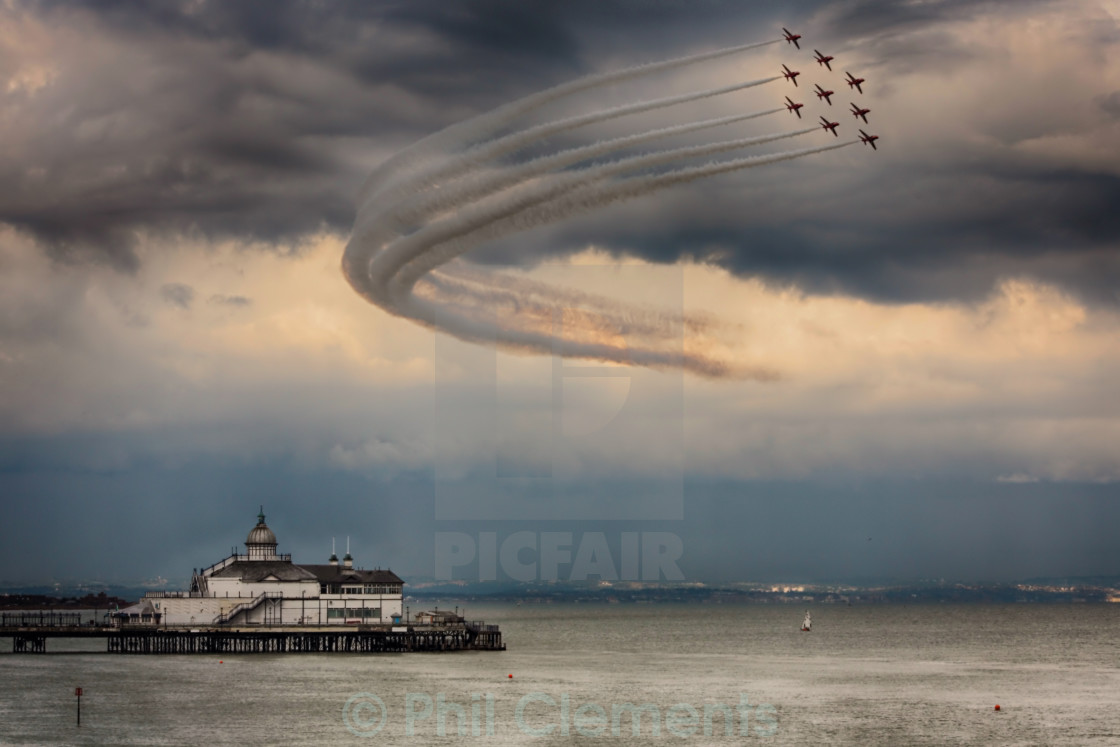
78,693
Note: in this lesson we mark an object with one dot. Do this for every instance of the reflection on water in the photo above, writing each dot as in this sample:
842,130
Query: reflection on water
877,675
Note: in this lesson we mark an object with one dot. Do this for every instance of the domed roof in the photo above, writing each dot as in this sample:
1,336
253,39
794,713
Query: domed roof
261,534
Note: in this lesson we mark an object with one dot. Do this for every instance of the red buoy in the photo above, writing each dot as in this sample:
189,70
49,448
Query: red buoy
511,676
997,706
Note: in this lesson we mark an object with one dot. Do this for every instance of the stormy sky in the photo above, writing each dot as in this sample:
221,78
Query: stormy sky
931,328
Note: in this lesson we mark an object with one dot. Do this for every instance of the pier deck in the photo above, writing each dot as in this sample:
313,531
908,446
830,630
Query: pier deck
273,639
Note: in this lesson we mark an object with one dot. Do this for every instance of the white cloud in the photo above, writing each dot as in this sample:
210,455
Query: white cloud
384,457
1017,478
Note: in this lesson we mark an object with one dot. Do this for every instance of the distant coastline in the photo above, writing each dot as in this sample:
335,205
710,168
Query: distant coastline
100,601
622,593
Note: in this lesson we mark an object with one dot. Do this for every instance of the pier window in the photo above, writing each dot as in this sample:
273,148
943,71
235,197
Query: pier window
362,612
380,589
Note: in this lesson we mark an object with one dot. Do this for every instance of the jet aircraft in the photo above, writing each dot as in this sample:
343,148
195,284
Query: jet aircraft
861,113
854,82
823,94
831,126
794,107
824,59
790,74
791,37
869,139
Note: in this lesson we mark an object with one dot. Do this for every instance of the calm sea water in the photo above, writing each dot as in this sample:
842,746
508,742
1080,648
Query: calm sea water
870,675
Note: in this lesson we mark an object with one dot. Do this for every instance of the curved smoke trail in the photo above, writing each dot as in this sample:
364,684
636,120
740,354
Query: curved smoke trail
484,124
449,192
402,263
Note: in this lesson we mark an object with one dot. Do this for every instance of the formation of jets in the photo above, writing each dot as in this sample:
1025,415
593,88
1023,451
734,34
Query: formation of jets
823,93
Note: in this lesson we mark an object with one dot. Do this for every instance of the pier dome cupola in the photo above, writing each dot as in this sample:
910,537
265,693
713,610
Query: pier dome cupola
261,542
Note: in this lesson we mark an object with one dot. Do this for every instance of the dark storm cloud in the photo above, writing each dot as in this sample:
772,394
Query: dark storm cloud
189,515
939,528
853,18
954,239
1110,103
177,517
177,294
256,121
246,120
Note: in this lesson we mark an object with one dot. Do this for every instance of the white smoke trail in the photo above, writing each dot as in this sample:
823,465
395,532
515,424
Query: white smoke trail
488,330
381,225
472,129
552,209
486,151
427,205
448,193
496,288
411,256
520,296
384,215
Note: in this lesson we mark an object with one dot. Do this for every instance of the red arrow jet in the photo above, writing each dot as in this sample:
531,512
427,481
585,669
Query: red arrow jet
824,59
790,74
823,94
869,139
861,113
793,107
853,82
831,126
791,38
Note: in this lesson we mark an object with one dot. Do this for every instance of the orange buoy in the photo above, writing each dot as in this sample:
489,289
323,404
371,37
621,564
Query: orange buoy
997,706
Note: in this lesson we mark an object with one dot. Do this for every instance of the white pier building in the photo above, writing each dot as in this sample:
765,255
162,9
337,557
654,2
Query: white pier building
262,587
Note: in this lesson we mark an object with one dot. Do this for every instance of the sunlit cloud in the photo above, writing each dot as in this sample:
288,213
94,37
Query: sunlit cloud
1018,383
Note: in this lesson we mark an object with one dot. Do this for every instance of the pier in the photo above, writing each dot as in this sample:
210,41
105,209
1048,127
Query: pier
30,631
260,602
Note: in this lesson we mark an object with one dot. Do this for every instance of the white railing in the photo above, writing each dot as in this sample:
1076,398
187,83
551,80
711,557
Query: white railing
252,604
234,558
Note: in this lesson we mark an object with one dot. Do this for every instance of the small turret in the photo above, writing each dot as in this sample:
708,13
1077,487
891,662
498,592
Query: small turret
261,542
334,558
347,561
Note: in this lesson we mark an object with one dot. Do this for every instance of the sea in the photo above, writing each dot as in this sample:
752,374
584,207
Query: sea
627,674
